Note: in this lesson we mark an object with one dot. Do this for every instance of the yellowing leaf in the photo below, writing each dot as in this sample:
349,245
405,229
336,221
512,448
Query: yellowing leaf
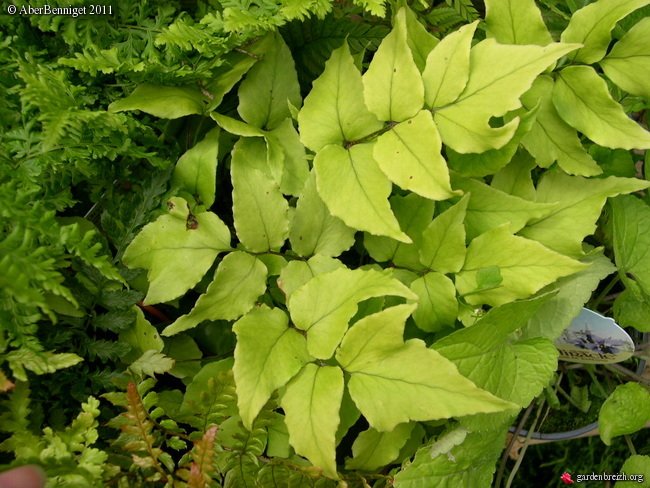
419,40
393,382
268,354
516,22
297,273
240,279
324,305
373,449
489,208
499,75
628,63
392,85
447,70
414,214
437,304
443,241
167,102
311,403
313,229
269,85
551,139
259,209
334,110
580,202
409,154
592,25
583,101
295,168
176,250
525,266
196,170
355,190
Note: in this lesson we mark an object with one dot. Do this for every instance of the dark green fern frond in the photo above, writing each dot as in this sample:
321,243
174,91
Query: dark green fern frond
465,9
313,40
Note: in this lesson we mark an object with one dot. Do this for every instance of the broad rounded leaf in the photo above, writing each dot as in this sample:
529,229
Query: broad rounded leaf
141,336
443,241
550,138
259,209
514,370
373,449
268,354
624,412
631,231
583,101
413,213
297,273
489,208
579,204
437,306
177,249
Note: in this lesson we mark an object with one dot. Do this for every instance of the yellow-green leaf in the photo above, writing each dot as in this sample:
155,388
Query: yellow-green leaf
392,85
268,354
583,101
409,154
240,279
392,382
176,250
334,110
592,26
628,63
499,75
311,403
447,70
551,139
355,190
525,266
516,22
167,102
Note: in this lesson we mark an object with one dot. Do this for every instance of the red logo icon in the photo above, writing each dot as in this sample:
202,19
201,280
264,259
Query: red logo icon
566,477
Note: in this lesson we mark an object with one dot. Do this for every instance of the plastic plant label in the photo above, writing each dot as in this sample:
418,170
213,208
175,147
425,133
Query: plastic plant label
592,338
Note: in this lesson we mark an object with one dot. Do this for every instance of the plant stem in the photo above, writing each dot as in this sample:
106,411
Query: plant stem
517,465
628,440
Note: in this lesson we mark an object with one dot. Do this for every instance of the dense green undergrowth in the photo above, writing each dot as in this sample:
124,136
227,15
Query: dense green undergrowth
307,243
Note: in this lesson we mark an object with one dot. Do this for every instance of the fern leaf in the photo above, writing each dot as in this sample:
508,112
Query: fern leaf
465,9
202,456
140,427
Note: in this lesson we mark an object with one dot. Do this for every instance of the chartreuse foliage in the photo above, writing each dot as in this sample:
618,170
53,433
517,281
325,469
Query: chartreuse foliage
344,247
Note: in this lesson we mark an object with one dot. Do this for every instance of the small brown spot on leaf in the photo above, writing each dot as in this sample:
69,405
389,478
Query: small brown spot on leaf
192,223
